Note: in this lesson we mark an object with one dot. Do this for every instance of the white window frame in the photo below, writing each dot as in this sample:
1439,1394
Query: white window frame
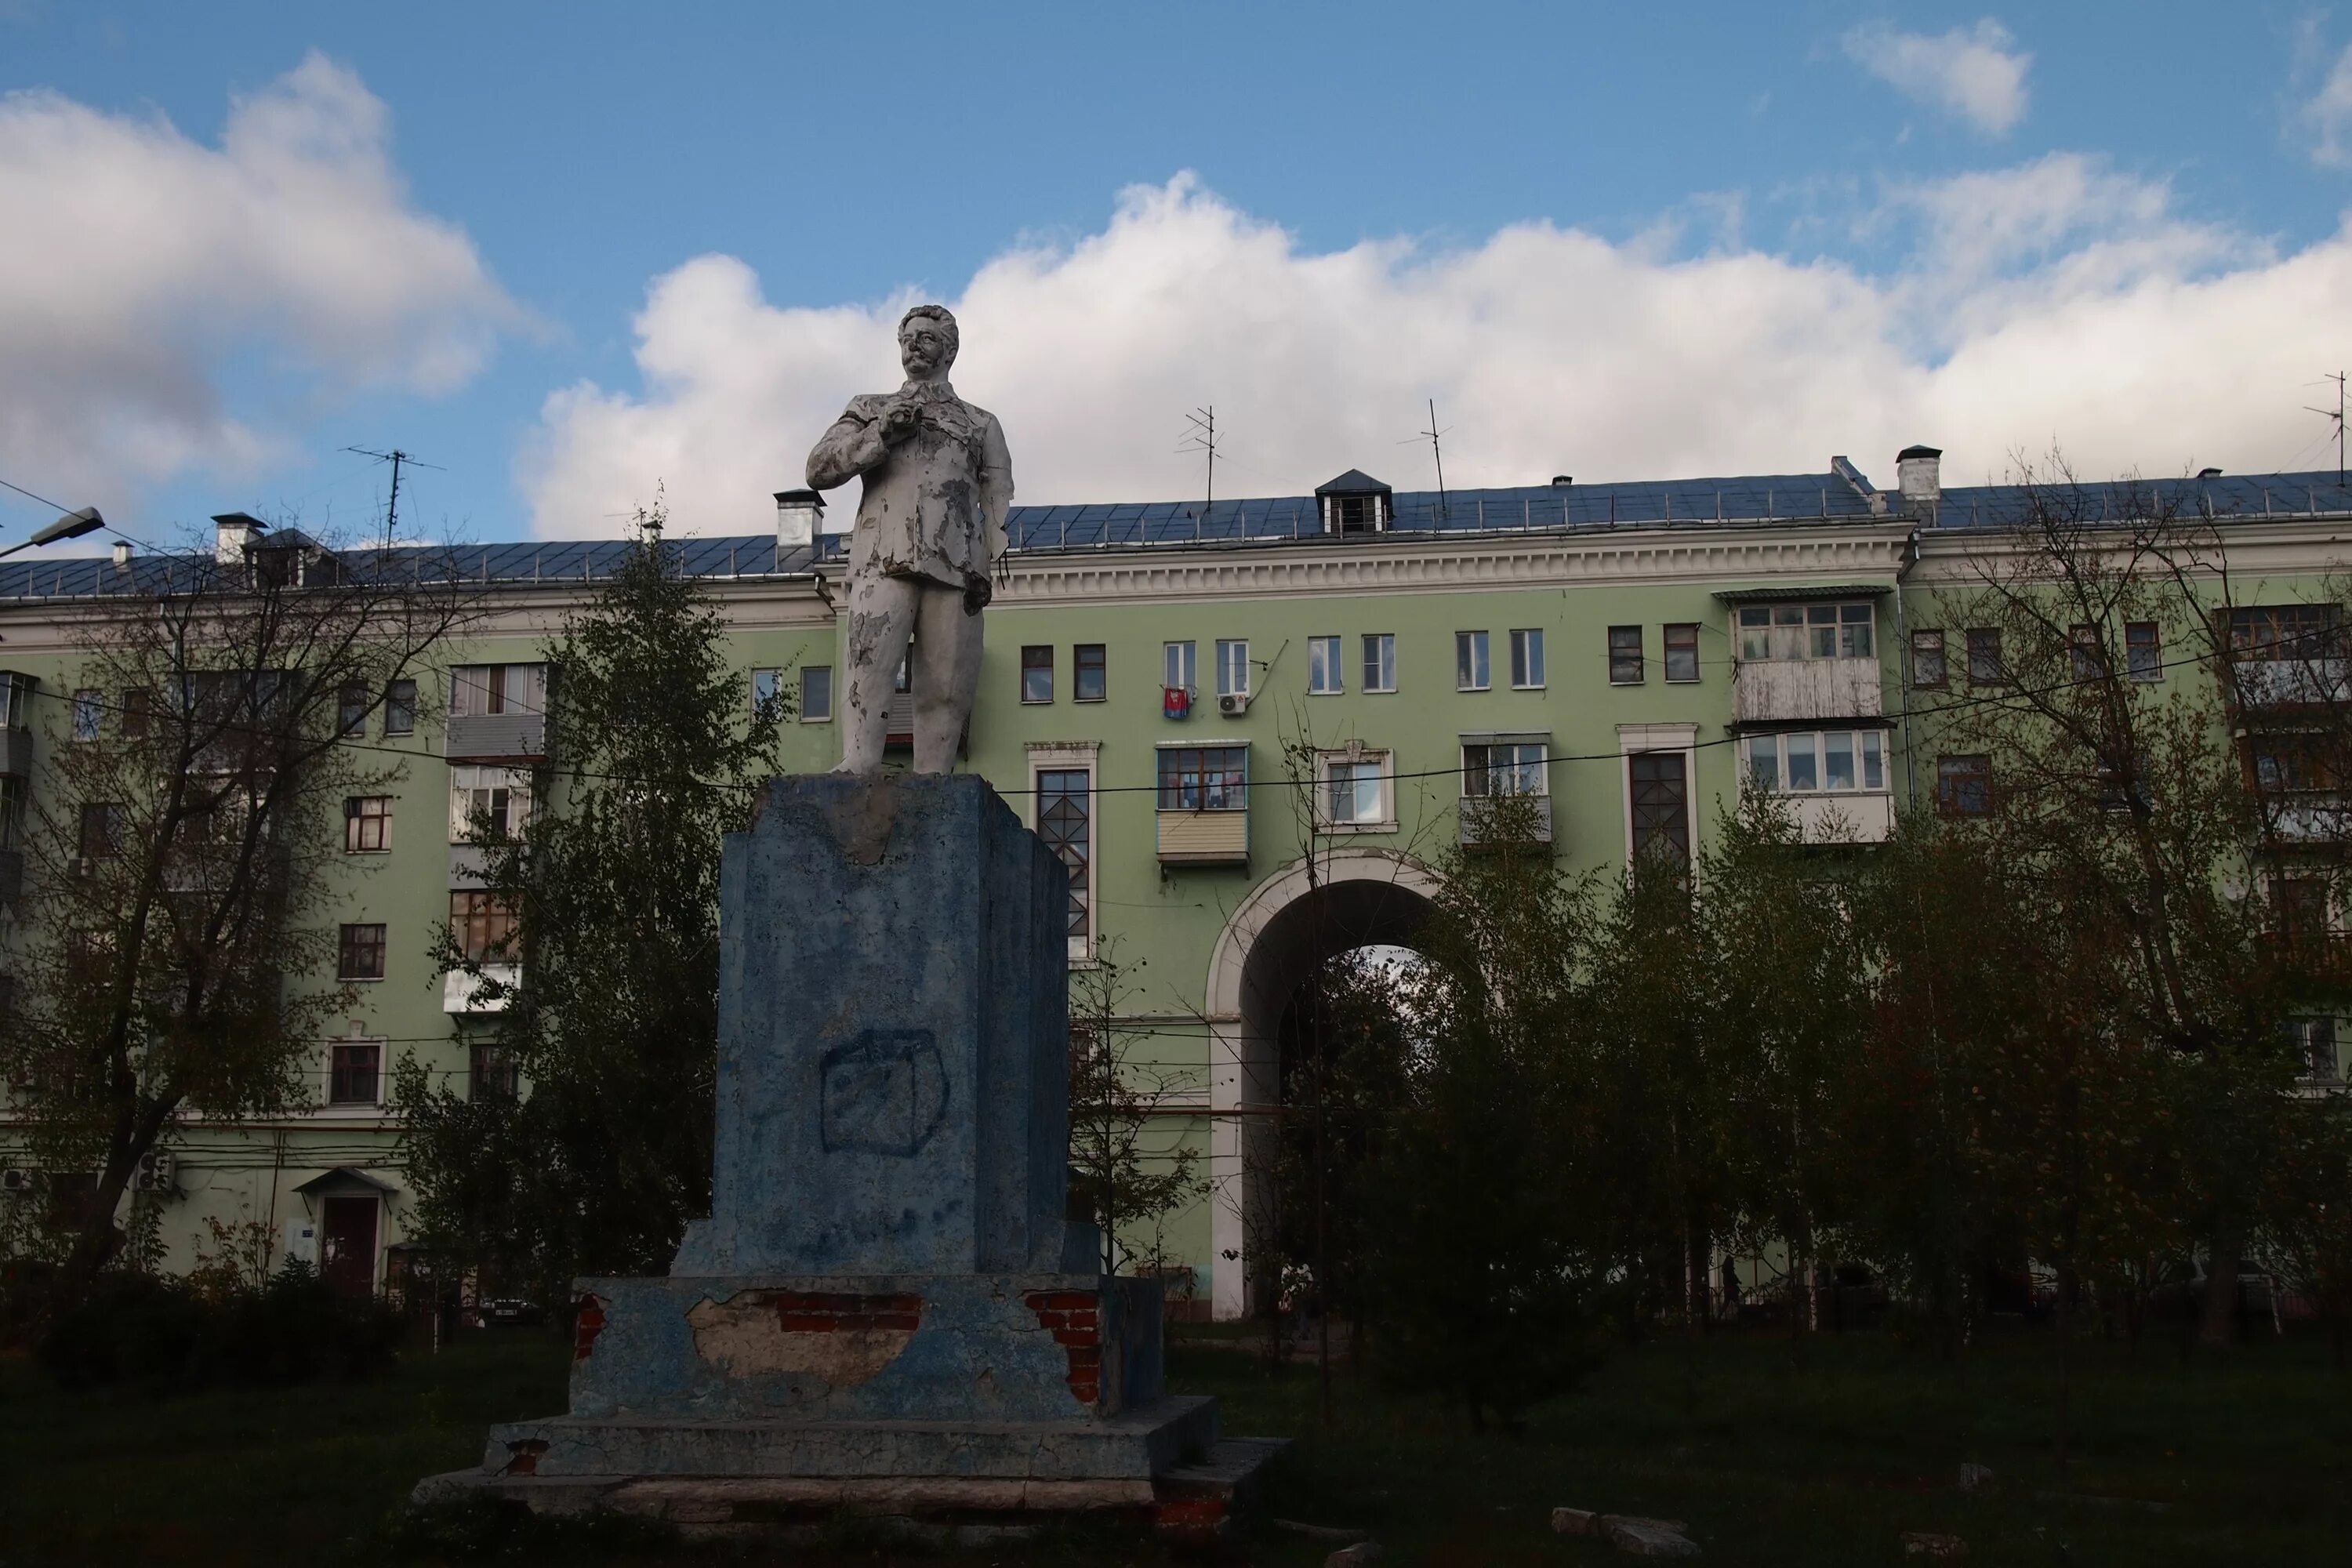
1179,667
89,713
1380,661
1356,755
1634,738
1069,756
1323,678
1784,635
471,689
1541,745
1473,669
1779,739
469,777
327,1105
1232,667
1526,659
774,683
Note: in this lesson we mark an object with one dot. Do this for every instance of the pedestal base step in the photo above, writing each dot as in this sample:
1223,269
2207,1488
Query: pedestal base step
1194,1498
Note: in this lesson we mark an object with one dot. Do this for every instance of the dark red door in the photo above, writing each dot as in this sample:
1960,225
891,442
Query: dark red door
347,1260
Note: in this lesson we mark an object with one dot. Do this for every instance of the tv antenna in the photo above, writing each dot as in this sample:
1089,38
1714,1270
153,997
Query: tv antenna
2335,414
1203,438
1437,453
395,457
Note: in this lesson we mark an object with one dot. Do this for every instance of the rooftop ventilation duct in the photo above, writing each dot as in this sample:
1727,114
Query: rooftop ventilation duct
234,533
800,518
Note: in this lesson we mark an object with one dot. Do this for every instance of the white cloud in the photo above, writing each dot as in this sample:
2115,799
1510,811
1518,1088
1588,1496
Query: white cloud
1978,73
144,269
2054,302
2327,116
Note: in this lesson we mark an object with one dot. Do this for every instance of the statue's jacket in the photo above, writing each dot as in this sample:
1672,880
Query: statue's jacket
933,502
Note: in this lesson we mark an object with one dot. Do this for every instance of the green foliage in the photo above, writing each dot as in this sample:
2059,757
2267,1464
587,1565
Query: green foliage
160,1334
1127,1184
597,1166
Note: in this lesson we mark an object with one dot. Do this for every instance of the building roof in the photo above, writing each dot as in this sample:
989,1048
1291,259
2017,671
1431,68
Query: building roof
1354,482
1830,497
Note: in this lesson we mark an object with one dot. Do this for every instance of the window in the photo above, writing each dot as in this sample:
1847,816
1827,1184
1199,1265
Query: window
367,824
1355,514
2291,762
1682,652
2315,1047
483,924
2143,651
138,712
1807,631
1658,788
1380,661
1233,668
816,694
12,812
476,690
1984,657
360,954
1624,656
1963,786
352,707
1037,674
399,707
2299,909
1215,778
1066,822
1470,673
765,685
2274,633
1804,763
503,794
1355,789
1323,667
495,1076
86,707
1089,673
352,1073
100,830
1928,660
16,701
1526,659
1176,665
2087,659
1508,767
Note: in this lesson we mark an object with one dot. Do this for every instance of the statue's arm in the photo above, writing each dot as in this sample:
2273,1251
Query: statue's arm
854,444
995,485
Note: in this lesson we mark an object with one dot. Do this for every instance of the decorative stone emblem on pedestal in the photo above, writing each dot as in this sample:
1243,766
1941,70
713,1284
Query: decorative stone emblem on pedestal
887,1308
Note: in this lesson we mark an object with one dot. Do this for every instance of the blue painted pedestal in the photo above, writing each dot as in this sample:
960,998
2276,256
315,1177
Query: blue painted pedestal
887,1308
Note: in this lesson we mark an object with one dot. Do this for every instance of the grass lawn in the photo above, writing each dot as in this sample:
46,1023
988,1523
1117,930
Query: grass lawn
1769,1459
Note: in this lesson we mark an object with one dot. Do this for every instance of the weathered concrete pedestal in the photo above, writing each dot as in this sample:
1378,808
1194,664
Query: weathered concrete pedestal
886,1310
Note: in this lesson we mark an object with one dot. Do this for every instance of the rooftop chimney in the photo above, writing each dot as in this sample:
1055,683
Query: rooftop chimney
2209,473
122,555
234,533
1561,481
800,517
1919,475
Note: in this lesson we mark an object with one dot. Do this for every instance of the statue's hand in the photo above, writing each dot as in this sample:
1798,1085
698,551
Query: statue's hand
900,419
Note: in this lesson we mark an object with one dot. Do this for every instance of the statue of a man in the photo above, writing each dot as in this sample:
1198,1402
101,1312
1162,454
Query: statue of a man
931,525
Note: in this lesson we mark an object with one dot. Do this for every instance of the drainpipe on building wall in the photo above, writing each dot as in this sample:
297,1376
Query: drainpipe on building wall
1902,681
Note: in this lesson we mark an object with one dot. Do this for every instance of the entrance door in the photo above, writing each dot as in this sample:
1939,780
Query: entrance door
347,1260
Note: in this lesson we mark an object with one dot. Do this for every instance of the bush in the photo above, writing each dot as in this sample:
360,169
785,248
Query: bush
156,1332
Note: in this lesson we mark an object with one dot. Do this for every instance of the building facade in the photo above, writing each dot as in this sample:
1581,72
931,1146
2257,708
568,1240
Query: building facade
1185,702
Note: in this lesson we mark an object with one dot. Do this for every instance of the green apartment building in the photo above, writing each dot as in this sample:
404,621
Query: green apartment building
1182,700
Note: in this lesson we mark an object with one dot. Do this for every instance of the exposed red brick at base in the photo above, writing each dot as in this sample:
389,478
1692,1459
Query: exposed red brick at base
1074,1318
586,1327
826,1312
523,1458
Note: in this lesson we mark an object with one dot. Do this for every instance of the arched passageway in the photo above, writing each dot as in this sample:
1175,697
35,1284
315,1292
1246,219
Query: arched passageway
1290,923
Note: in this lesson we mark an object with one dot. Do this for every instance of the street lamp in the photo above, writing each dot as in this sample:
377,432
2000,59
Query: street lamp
72,525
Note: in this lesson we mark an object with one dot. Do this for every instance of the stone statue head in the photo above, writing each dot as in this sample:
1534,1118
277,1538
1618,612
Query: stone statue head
926,342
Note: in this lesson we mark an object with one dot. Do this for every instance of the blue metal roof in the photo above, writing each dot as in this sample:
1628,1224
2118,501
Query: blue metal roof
1752,499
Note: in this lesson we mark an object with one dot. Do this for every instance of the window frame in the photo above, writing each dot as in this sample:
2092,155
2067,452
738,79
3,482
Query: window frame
773,681
1179,658
1473,670
356,821
1928,642
811,711
2135,644
1478,773
1379,663
1984,652
1954,770
1232,666
491,1066
88,714
342,1077
1080,666
352,700
497,689
1626,653
1526,659
1383,817
1323,678
485,915
351,946
1231,792
522,792
1036,661
1860,736
400,707
1791,631
1688,646
1073,759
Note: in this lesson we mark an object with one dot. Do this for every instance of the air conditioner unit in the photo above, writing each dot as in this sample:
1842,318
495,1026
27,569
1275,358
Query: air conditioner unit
1233,704
15,1181
154,1172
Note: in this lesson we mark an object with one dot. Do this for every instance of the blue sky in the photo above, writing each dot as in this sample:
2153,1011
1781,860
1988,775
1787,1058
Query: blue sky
1630,241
